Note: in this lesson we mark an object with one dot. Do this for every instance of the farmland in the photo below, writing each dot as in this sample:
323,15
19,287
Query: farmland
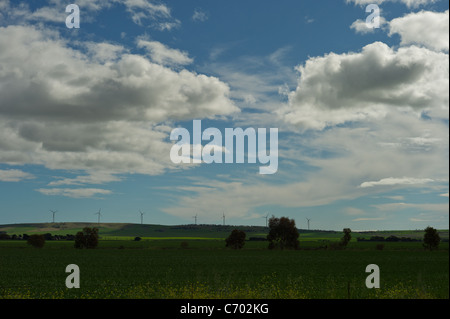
159,266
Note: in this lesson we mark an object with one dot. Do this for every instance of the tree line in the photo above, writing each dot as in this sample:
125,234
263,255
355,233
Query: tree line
87,238
283,234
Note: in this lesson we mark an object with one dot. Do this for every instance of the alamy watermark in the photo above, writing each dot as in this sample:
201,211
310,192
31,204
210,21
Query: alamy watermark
73,19
187,151
373,280
373,19
73,280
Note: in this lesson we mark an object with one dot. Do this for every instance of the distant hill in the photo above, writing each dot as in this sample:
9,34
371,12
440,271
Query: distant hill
123,229
198,231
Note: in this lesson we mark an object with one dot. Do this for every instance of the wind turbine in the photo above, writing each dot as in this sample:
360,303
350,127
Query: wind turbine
308,219
195,218
142,217
99,214
54,212
223,217
267,216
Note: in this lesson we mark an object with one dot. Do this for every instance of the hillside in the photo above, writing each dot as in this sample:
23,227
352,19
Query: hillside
198,231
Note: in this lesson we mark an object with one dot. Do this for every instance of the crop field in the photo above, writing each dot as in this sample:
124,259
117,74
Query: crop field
202,268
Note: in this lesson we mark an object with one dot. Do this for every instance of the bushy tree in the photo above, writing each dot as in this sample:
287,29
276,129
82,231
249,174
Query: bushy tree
236,240
282,233
431,239
37,241
88,238
347,237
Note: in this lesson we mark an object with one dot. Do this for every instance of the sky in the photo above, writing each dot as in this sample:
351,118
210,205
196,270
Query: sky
362,112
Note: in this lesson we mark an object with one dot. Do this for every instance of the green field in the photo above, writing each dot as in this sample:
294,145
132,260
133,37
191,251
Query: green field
159,267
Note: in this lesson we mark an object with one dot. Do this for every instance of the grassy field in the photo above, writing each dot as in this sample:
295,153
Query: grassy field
158,267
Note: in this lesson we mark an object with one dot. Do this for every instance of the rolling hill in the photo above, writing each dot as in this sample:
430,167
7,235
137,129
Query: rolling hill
198,231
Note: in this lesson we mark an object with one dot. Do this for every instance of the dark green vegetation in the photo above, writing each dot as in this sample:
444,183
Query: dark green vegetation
431,240
282,233
164,267
87,238
236,240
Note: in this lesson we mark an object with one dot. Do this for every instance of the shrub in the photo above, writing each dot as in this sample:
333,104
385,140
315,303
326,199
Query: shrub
283,233
347,237
4,236
431,238
236,240
379,246
36,241
88,238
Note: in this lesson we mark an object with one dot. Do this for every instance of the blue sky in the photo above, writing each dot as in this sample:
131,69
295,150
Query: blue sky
362,113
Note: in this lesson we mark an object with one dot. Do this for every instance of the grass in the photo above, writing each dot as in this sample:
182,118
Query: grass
205,269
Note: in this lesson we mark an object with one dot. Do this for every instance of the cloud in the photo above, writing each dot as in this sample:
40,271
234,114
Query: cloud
367,85
391,181
427,207
94,178
161,54
140,12
103,52
200,15
145,9
329,166
427,28
74,192
167,26
408,3
352,211
94,106
360,26
309,20
14,175
255,81
368,219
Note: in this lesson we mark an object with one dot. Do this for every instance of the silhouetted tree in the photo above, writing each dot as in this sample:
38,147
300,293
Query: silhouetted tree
393,238
88,238
36,241
431,239
347,237
236,240
282,233
4,236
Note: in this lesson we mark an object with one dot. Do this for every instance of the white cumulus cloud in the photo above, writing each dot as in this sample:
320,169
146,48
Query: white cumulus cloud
427,28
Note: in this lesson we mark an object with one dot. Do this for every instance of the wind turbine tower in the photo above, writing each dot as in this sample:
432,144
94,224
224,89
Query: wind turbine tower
142,217
308,219
54,212
195,218
99,214
267,216
223,217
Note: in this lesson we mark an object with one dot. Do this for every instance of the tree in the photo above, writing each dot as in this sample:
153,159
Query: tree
236,240
347,237
282,233
88,238
431,239
36,241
